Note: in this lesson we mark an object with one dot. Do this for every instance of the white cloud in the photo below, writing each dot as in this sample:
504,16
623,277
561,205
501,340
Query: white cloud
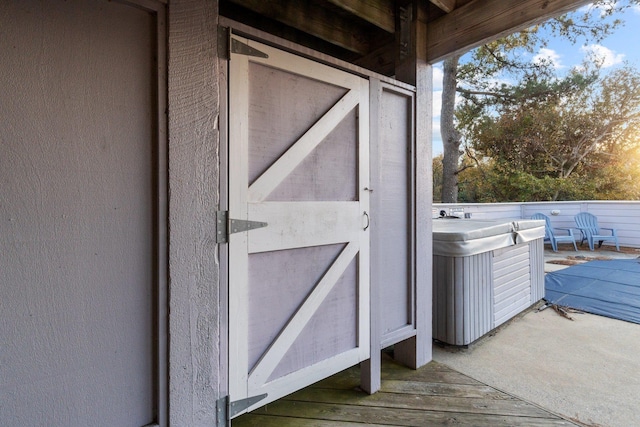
435,122
437,78
603,55
435,127
437,103
436,139
548,56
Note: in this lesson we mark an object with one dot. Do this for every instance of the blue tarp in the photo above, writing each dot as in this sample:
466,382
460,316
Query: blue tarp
607,288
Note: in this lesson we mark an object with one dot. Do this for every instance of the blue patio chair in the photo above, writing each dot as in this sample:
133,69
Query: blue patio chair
588,225
551,237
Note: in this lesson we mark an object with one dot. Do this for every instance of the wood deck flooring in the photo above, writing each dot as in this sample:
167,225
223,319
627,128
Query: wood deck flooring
431,396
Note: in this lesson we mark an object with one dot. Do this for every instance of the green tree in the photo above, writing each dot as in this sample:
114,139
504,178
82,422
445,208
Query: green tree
474,76
437,178
580,127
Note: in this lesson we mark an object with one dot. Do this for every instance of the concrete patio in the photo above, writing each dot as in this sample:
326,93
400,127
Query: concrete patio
585,369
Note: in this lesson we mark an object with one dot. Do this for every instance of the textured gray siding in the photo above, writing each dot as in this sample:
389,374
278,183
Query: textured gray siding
78,239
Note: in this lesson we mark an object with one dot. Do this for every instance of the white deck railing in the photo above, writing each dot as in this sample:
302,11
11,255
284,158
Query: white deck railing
622,215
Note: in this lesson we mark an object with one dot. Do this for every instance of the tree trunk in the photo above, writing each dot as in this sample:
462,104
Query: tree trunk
450,136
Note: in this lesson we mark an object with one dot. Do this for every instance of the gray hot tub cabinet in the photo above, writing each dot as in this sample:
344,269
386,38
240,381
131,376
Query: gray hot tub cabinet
484,273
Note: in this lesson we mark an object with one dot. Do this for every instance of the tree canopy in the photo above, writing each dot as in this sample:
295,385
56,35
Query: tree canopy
528,133
545,131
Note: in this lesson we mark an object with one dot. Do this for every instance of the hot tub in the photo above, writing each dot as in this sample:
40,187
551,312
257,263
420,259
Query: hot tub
484,273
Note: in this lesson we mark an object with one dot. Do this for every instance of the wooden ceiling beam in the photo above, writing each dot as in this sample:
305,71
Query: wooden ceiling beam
312,19
446,5
380,13
483,20
380,60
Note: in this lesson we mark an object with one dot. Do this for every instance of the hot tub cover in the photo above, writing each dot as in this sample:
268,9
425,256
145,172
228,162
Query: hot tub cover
527,230
464,237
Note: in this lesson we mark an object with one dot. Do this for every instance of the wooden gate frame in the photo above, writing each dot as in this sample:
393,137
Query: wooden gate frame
414,348
252,202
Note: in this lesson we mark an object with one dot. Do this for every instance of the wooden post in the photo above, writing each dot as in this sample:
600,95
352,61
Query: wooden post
370,369
196,376
412,67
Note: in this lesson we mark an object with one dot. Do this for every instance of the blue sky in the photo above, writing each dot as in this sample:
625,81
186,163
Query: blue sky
623,45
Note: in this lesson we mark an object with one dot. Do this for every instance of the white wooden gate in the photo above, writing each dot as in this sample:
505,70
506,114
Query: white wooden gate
298,161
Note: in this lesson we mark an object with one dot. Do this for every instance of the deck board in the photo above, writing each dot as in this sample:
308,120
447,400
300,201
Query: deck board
432,395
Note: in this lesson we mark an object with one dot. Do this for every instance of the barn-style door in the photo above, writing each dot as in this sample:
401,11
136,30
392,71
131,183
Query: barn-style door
298,161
